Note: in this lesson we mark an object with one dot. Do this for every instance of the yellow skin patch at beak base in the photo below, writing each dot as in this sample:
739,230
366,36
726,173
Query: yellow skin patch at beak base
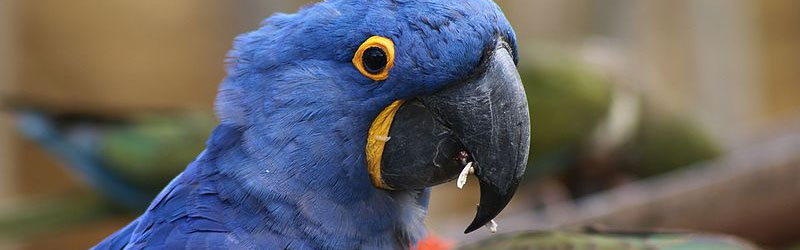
376,140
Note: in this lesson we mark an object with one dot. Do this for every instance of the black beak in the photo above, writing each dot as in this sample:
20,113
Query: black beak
484,120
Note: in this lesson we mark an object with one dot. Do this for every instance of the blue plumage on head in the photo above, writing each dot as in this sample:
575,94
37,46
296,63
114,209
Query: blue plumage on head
286,167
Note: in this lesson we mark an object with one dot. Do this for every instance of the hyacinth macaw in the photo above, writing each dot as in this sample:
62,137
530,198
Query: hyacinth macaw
336,120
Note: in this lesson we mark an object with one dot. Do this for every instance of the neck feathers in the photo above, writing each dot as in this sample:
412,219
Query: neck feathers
328,203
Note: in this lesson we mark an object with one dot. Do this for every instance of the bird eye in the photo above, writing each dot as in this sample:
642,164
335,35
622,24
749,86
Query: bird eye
375,57
374,60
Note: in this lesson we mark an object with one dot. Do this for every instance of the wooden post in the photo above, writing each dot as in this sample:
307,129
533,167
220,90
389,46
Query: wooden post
780,34
727,89
7,82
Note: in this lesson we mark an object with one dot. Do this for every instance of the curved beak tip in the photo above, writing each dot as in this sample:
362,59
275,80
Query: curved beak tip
491,204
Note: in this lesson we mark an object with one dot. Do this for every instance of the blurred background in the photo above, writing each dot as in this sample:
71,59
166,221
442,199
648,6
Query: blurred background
669,114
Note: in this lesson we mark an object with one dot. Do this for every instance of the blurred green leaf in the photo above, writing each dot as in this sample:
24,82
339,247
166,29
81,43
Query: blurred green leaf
155,148
35,218
665,142
566,100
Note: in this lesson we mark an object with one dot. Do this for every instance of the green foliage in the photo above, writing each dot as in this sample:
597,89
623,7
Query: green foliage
155,148
36,218
566,101
665,142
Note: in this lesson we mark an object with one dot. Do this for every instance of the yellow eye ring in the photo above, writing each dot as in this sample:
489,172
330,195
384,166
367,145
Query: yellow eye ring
375,57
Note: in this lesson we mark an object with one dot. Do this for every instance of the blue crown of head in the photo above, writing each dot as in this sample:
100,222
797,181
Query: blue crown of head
437,42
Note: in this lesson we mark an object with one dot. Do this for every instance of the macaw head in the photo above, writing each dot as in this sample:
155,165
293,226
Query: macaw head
399,94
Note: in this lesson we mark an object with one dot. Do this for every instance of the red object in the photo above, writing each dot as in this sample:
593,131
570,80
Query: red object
433,243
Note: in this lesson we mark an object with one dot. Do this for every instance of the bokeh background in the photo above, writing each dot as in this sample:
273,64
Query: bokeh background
680,114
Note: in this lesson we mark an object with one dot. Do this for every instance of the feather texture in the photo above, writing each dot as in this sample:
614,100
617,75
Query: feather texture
286,168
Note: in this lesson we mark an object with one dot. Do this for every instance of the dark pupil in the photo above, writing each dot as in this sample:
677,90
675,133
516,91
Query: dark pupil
374,60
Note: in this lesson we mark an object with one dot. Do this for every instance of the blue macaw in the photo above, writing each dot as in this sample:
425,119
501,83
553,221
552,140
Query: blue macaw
337,120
